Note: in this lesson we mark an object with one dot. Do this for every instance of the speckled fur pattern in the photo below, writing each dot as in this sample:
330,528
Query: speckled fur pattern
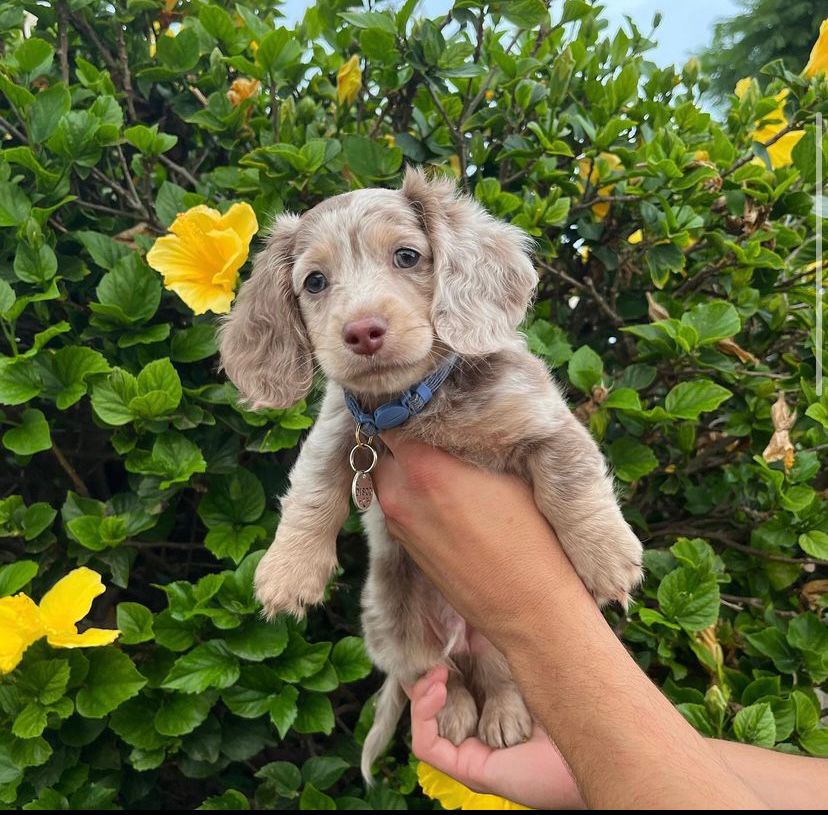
500,409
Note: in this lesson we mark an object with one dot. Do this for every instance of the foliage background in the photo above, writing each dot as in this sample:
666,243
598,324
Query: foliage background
761,31
123,449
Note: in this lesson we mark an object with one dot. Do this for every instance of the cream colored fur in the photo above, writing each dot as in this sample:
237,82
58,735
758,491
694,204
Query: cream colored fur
500,409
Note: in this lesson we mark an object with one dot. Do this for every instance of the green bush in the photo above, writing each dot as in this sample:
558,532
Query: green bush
677,302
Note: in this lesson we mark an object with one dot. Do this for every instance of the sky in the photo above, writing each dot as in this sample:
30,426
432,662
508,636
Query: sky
686,26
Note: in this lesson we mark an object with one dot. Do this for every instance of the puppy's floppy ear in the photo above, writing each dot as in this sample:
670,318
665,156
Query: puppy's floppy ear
484,277
263,345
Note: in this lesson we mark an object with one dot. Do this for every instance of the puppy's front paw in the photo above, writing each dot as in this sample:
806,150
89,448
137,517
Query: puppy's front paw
505,721
457,721
286,583
611,567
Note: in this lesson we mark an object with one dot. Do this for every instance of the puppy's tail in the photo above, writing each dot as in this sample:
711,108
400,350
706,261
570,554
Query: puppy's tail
390,705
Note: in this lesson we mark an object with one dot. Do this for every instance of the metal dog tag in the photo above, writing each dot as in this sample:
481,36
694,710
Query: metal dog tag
362,490
362,487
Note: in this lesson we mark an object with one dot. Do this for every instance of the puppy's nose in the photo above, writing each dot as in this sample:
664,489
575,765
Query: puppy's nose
364,336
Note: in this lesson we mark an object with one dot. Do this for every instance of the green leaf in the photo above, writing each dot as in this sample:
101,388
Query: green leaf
30,722
7,296
277,50
713,321
155,392
314,714
105,251
257,640
179,53
37,519
231,799
193,344
585,369
174,459
30,436
815,742
134,621
134,722
370,19
46,110
19,381
112,397
689,597
148,140
70,369
14,576
301,659
772,643
110,681
210,665
688,400
34,55
314,800
814,543
282,776
235,499
227,540
284,709
35,265
755,724
128,295
370,159
323,771
351,660
631,459
181,713
96,532
44,681
14,204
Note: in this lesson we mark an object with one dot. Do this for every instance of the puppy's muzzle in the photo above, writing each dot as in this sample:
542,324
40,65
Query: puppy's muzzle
365,336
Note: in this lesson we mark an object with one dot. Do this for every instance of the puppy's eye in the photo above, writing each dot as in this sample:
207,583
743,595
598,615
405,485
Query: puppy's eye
315,282
406,258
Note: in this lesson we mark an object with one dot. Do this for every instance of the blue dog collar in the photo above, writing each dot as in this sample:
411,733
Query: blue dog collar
399,410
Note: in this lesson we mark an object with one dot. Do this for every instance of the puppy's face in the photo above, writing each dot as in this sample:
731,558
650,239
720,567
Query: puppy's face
377,286
363,279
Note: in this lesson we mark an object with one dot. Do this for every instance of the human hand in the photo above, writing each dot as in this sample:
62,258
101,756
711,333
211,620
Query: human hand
479,537
532,773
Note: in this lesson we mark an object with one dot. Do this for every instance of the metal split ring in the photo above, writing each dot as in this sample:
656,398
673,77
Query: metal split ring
363,446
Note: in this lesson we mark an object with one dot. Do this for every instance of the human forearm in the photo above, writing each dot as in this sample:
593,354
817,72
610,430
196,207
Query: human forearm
781,780
608,720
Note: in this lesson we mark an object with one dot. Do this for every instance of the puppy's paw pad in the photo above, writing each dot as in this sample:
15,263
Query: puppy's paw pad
457,721
505,721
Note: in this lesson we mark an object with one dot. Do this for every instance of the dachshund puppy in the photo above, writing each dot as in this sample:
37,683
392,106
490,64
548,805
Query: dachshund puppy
383,288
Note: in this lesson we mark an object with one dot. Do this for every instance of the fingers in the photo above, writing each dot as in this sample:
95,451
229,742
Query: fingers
438,674
428,696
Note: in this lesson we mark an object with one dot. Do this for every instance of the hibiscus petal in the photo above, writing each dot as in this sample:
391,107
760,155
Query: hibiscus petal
20,626
201,298
89,638
12,648
70,599
242,220
201,218
228,247
178,259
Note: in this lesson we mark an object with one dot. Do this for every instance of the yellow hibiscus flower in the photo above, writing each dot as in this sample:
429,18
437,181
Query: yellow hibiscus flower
771,124
200,260
241,89
23,622
635,237
600,209
348,81
818,63
453,795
